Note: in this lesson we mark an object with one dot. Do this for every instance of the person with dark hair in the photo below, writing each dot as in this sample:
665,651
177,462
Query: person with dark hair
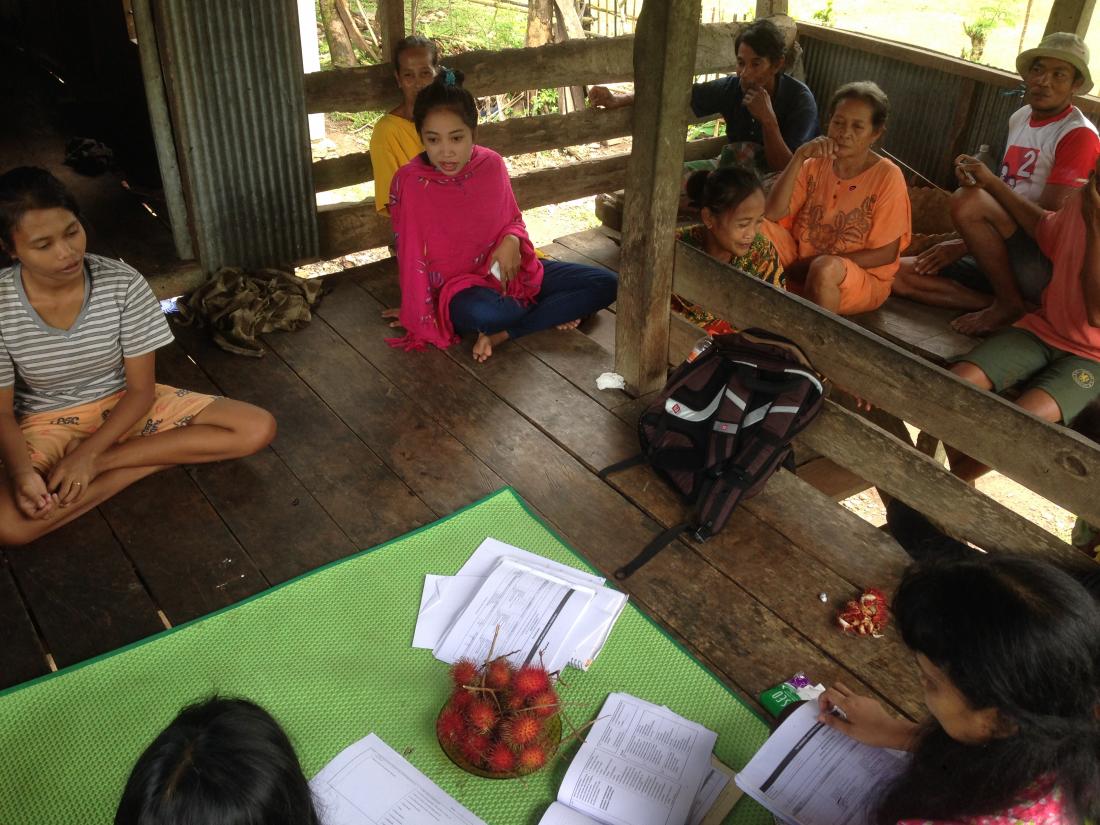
220,762
1008,651
731,205
768,113
394,140
81,415
1053,353
839,214
995,268
465,261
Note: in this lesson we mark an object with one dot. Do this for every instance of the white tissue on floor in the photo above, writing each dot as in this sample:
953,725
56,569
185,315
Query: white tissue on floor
610,381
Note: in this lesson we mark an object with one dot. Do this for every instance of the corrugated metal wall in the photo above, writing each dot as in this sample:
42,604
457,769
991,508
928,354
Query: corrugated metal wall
923,103
233,71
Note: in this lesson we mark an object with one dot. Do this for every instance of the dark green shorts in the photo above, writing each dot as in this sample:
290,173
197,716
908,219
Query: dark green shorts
1015,356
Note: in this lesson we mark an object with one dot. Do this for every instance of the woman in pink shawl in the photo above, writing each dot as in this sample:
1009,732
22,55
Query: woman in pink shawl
465,260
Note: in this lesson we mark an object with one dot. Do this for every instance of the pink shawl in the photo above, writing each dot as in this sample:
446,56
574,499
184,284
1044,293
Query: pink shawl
446,227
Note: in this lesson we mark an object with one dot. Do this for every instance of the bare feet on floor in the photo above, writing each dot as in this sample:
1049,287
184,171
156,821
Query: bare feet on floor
483,346
569,325
987,320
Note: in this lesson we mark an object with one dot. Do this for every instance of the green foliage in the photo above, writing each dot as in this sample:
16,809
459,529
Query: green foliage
825,15
463,27
357,121
544,102
712,128
978,30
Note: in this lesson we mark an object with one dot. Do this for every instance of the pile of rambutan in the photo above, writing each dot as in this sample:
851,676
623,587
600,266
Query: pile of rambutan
500,719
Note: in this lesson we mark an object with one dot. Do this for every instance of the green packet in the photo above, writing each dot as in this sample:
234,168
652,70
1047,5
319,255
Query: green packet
795,689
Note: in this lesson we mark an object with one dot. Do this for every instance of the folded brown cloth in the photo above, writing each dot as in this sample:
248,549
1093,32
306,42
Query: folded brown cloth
241,305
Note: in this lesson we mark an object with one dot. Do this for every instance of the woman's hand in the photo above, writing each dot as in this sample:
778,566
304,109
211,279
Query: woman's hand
31,495
864,719
972,172
507,256
70,477
819,147
759,103
601,97
936,257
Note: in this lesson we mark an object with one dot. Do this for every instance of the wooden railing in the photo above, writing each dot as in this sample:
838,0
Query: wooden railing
1047,459
348,227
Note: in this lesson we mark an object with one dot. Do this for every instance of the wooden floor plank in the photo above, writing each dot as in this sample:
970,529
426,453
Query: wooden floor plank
751,645
82,591
344,475
283,528
23,657
594,244
764,562
440,470
185,554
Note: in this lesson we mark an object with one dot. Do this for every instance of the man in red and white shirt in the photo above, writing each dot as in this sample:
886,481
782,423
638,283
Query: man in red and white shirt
996,268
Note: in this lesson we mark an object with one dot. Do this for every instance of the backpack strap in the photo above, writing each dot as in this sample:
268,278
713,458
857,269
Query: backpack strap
626,463
658,544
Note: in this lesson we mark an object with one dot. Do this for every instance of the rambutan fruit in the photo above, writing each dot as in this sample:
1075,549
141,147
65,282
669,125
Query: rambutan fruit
514,702
474,747
531,680
531,758
523,730
500,759
498,674
544,704
464,672
481,715
450,725
461,699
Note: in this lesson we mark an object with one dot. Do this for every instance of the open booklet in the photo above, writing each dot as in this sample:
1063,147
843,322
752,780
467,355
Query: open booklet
809,774
545,611
642,764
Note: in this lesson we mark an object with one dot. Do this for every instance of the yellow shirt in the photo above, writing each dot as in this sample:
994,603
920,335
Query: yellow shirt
393,143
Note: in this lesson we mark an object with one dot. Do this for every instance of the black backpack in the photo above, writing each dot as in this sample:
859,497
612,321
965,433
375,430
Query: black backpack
722,425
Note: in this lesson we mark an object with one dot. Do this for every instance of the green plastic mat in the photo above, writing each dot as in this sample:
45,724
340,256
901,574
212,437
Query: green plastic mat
328,654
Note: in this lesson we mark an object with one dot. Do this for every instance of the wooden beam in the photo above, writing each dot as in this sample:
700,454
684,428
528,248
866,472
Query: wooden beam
572,63
665,40
391,19
509,137
351,227
1050,460
767,8
905,473
1070,16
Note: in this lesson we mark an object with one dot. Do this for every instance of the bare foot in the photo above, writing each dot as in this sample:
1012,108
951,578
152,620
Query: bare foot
987,320
483,346
568,325
392,315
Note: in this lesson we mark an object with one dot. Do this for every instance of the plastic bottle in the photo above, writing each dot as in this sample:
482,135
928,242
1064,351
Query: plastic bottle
985,156
699,348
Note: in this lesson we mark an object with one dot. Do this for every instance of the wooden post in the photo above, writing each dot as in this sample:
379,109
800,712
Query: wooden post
1070,16
768,8
665,41
391,19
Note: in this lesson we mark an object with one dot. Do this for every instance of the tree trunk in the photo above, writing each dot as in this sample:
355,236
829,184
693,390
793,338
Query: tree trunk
356,36
540,20
339,44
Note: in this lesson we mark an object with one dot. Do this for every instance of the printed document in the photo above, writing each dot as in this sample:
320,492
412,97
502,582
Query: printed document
809,774
525,612
641,764
369,783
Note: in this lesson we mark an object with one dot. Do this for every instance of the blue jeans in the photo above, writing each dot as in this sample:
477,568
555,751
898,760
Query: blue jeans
569,292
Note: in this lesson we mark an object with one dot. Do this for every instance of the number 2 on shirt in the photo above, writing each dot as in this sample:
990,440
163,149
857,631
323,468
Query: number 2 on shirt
1020,163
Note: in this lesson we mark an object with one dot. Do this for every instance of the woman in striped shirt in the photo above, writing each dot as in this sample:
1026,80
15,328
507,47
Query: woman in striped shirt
81,416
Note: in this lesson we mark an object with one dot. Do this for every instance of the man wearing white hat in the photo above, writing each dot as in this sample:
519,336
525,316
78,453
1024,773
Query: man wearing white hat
996,269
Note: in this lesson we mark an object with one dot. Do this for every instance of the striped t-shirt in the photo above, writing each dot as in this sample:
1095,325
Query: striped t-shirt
52,368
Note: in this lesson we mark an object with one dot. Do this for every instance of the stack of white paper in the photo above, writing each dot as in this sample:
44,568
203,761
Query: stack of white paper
536,610
369,783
